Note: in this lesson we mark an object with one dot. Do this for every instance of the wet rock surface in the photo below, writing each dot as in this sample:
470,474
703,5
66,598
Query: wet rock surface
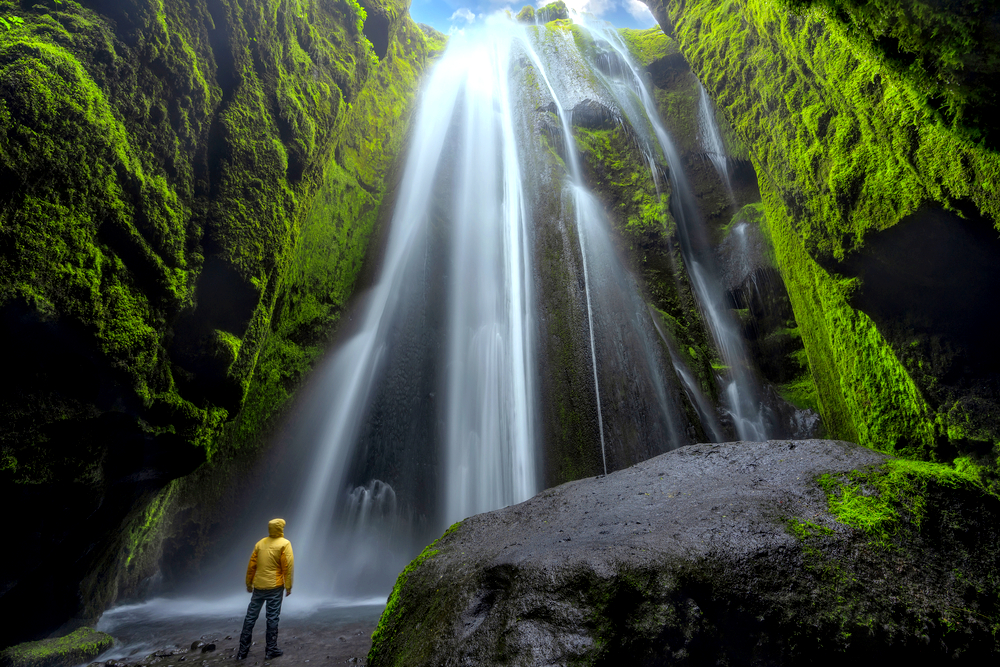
710,554
325,637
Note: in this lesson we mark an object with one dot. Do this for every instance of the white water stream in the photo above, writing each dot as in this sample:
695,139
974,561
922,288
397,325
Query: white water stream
741,390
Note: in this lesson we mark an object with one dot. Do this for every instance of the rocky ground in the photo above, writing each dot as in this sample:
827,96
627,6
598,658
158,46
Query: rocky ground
325,636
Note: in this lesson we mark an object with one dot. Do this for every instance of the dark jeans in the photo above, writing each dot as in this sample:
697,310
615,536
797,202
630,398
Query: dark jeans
272,596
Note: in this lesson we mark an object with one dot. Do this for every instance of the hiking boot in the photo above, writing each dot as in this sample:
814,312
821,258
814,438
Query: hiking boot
273,653
242,655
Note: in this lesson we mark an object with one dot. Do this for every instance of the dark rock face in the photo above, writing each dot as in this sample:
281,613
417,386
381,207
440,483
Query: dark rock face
710,554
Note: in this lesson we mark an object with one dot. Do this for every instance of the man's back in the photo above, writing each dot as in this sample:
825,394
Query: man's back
271,564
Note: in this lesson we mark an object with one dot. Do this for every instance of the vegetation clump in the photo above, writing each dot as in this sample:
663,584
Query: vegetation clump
81,645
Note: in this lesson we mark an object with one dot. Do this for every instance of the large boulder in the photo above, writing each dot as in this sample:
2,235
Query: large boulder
779,552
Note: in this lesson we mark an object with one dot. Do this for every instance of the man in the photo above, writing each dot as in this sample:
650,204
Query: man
269,571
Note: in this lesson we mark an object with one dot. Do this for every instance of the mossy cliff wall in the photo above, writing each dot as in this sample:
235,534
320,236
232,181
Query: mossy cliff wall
879,189
187,190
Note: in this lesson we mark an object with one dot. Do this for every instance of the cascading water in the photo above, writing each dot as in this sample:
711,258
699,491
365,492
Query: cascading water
432,407
711,139
625,83
444,350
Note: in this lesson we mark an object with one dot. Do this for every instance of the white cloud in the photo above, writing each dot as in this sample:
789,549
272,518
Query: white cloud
639,11
465,14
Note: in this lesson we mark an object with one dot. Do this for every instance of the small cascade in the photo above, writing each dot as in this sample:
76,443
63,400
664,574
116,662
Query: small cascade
582,216
706,413
740,389
711,140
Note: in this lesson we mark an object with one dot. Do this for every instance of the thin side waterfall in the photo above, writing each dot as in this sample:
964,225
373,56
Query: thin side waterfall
706,413
711,139
740,388
620,335
590,324
573,162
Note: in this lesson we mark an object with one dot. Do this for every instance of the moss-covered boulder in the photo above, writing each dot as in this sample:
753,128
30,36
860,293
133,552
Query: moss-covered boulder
777,553
79,646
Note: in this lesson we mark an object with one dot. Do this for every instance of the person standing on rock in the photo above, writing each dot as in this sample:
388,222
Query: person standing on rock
269,571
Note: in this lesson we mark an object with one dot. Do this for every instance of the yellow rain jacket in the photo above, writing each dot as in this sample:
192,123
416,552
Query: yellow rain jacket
271,563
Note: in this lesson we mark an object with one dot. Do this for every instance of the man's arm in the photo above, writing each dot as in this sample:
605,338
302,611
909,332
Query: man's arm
287,567
251,570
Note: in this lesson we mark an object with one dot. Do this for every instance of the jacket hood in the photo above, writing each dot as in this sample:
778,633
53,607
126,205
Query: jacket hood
276,528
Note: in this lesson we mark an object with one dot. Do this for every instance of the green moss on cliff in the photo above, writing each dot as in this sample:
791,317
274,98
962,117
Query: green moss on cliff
849,140
175,179
648,46
947,54
864,393
330,251
845,145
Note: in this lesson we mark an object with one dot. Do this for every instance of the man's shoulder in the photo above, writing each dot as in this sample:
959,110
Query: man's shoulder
279,542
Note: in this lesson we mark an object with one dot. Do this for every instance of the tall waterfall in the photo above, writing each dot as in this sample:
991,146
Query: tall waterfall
446,380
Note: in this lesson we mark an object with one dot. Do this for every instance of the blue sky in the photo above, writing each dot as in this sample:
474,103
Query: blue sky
449,15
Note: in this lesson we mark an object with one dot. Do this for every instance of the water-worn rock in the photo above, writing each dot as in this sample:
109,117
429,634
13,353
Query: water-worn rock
712,554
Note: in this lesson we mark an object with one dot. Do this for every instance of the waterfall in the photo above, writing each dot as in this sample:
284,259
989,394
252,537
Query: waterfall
711,139
740,389
436,400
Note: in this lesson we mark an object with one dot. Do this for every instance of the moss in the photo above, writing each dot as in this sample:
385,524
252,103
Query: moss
845,145
553,11
79,646
644,228
880,501
801,391
648,46
526,15
151,517
862,157
173,176
385,633
436,41
864,394
945,55
330,251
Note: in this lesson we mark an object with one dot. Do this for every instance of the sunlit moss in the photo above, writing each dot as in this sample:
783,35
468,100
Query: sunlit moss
879,501
647,46
77,647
